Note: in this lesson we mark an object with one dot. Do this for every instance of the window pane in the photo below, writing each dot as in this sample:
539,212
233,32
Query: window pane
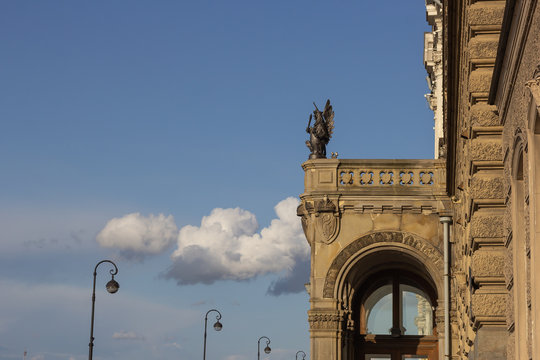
417,312
379,311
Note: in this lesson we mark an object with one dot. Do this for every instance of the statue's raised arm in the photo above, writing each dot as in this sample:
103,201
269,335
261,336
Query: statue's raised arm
321,131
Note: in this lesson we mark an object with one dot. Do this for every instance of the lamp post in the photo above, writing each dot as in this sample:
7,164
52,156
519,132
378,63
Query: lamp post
112,287
217,326
266,349
303,354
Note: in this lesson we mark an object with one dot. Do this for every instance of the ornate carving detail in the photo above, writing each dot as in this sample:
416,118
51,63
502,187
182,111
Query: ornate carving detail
422,246
346,177
325,205
386,177
366,177
325,321
426,178
327,221
406,178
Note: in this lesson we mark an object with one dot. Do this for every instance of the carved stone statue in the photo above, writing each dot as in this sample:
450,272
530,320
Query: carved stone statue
321,131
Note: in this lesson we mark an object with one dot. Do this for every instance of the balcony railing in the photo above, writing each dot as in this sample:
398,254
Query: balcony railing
375,177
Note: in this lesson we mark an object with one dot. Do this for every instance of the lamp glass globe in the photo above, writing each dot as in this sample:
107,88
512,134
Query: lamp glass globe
112,286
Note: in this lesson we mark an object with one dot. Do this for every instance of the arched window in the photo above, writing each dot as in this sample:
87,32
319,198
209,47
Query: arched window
415,311
396,317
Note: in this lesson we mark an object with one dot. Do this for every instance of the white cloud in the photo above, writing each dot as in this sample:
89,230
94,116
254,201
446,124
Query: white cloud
227,246
127,335
137,236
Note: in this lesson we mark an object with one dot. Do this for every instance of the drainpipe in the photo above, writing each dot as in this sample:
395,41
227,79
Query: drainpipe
446,220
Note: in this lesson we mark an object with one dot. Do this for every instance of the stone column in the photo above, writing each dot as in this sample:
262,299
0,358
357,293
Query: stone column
327,331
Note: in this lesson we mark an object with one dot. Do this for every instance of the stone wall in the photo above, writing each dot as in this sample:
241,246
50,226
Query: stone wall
518,113
475,134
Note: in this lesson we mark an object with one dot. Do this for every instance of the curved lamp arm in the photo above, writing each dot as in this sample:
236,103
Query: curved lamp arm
112,287
217,326
267,349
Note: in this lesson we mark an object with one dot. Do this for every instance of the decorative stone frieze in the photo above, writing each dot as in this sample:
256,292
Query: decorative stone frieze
419,244
325,320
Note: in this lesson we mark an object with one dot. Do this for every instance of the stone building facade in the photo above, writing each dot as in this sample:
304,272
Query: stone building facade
436,259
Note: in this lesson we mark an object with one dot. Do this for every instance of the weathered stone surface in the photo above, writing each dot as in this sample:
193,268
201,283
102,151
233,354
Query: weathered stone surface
510,309
487,187
488,263
487,226
489,304
489,344
511,347
480,80
483,47
484,13
509,265
484,115
482,149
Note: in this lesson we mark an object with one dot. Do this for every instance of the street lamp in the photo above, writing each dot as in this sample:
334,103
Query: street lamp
303,355
112,287
266,349
217,326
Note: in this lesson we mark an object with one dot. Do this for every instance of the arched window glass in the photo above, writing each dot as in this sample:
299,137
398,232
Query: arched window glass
417,312
398,309
379,311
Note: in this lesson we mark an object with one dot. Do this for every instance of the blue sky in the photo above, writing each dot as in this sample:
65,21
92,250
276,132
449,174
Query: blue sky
170,110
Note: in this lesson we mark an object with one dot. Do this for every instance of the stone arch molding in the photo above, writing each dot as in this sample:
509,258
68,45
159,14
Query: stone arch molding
421,247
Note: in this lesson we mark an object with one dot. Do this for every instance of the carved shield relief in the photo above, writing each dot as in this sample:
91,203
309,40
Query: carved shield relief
320,220
327,220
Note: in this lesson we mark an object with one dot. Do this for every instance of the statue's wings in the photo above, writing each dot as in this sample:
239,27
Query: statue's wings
328,115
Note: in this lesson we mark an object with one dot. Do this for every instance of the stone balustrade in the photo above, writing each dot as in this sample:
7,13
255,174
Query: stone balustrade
375,177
